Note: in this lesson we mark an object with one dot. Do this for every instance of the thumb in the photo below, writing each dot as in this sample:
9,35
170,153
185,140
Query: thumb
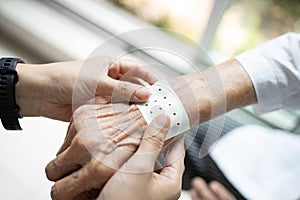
127,91
154,137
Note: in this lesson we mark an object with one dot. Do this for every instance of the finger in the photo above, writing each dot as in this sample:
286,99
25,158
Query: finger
68,161
86,116
121,67
172,175
172,150
81,181
203,191
194,194
139,73
93,175
68,140
117,115
220,191
126,91
144,159
133,129
131,135
175,160
175,149
92,194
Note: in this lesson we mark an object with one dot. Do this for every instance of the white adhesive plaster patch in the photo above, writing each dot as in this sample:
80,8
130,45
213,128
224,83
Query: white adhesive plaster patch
163,99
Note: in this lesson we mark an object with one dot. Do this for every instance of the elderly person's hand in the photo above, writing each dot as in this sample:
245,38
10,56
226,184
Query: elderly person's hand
47,89
99,140
213,190
137,180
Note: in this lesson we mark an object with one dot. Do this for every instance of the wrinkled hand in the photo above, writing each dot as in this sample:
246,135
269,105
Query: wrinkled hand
136,179
99,140
212,191
50,89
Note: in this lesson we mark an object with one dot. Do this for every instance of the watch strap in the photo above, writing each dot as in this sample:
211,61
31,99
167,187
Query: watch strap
9,110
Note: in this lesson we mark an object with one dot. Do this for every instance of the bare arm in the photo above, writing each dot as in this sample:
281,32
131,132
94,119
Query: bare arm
214,91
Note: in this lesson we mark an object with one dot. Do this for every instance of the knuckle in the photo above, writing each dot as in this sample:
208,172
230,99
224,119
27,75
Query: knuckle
78,124
123,89
156,140
100,170
50,169
213,184
129,145
199,183
82,109
54,193
92,194
76,141
78,144
88,122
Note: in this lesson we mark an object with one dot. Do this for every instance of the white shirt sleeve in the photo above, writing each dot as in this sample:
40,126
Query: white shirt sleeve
274,68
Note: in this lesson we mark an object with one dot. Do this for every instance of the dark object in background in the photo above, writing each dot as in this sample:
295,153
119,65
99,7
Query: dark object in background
206,167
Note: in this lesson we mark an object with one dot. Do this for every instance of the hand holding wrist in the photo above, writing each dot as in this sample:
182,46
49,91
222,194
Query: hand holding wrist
48,90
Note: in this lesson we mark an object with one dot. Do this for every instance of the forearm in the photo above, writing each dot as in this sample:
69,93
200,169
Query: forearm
38,83
48,89
29,89
209,93
238,87
268,75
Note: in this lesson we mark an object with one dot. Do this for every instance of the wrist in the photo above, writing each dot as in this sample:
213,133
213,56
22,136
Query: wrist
30,88
214,91
193,93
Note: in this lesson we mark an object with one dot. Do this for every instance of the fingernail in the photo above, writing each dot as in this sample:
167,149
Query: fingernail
142,93
162,121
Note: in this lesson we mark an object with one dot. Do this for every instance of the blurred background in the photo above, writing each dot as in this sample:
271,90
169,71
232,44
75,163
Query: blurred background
240,24
59,30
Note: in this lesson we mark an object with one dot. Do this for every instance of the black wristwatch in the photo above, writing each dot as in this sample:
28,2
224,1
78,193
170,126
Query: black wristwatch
9,110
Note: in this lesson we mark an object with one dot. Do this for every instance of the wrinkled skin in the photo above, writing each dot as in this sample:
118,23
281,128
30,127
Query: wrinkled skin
100,139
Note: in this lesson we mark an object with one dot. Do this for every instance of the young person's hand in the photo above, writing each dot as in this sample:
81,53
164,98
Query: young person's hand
137,180
50,90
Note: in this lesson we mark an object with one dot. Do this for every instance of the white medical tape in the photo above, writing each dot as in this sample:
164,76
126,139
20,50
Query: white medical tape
163,99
